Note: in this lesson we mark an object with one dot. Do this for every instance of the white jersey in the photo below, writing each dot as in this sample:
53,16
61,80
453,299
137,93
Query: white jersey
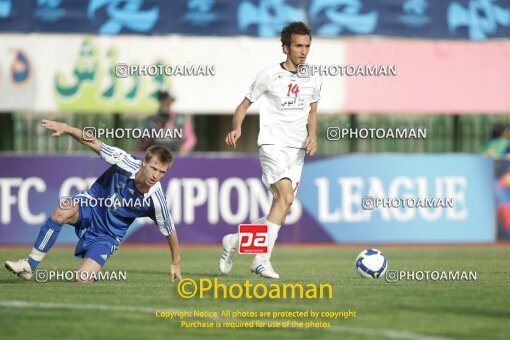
285,105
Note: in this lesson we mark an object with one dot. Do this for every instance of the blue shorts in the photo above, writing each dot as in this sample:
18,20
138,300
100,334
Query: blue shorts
93,244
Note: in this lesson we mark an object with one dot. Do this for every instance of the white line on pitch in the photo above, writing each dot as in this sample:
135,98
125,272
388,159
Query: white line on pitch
49,305
389,333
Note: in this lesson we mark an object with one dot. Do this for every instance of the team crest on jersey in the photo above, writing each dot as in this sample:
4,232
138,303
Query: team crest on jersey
121,185
118,155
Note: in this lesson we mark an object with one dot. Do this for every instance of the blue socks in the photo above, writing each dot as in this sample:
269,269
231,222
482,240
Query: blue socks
46,239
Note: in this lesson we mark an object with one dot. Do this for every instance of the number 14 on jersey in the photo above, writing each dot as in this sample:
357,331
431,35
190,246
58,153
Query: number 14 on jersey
293,89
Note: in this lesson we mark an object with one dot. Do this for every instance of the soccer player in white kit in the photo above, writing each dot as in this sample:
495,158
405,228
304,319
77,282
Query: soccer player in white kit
288,129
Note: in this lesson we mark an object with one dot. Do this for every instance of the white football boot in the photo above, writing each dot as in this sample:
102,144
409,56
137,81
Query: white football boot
264,268
229,250
21,268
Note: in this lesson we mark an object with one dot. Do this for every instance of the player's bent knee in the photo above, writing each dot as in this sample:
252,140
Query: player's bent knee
63,216
284,192
60,215
87,271
286,199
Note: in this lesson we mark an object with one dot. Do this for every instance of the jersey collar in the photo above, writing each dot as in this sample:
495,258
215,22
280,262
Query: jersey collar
283,67
152,190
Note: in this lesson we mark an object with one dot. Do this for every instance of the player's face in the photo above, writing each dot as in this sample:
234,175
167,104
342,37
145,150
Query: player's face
153,171
298,49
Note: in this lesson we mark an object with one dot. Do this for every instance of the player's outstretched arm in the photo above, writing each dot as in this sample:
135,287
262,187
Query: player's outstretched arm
237,122
59,128
311,140
175,267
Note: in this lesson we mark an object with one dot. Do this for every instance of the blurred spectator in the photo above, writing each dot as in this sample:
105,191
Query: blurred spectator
499,144
166,118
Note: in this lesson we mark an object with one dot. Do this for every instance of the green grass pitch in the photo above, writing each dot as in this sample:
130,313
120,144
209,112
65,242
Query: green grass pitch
126,309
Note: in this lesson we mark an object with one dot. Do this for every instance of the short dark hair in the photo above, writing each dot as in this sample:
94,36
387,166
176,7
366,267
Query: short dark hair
296,27
163,154
164,95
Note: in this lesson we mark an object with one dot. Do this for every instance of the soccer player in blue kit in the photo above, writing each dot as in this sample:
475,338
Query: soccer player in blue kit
101,226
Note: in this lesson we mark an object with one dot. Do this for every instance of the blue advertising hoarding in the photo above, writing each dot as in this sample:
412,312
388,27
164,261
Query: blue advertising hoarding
209,197
442,19
333,192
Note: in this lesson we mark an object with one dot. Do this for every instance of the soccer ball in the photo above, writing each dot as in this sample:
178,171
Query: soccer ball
371,264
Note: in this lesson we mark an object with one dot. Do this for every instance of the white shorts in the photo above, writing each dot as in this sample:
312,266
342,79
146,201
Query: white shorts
279,162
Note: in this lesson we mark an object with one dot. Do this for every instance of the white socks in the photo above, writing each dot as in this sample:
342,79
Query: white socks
235,236
272,231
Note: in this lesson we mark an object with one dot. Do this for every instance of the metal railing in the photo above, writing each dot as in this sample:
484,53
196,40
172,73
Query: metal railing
22,133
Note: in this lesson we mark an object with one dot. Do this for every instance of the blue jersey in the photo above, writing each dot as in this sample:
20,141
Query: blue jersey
116,202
